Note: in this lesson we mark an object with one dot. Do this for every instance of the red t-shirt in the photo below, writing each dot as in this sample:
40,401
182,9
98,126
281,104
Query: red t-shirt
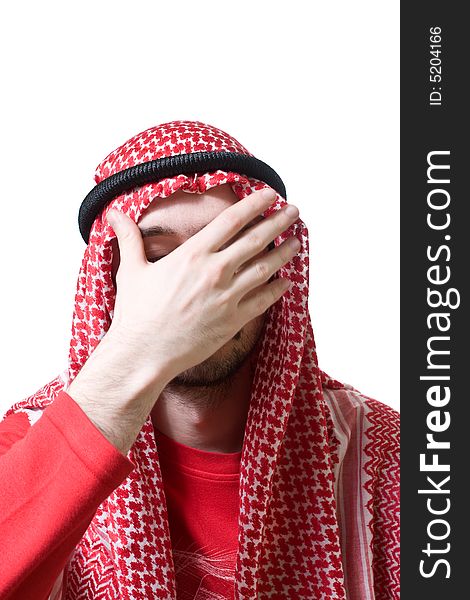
201,490
54,475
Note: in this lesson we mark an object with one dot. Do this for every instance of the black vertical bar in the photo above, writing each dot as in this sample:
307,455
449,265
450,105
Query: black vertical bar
435,259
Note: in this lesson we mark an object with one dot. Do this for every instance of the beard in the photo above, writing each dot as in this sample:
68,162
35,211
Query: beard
209,379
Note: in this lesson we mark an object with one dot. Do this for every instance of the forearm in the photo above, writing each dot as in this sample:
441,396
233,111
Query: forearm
117,388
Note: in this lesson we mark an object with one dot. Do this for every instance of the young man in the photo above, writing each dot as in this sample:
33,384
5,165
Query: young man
194,448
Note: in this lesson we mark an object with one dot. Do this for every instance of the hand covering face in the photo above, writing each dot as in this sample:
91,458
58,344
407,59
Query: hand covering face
318,481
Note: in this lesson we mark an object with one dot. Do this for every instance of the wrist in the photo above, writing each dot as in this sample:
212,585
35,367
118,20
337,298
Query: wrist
119,373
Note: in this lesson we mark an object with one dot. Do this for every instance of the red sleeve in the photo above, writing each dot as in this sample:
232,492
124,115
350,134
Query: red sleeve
54,475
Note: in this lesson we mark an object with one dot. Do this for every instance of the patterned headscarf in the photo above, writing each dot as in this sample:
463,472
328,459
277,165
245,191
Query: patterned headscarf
297,537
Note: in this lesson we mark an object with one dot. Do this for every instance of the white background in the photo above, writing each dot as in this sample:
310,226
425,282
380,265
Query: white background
310,88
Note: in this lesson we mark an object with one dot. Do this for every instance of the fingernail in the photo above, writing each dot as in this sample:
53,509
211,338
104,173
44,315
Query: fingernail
268,194
291,210
294,243
111,216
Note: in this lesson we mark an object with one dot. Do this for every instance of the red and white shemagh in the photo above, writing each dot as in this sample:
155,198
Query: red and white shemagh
319,467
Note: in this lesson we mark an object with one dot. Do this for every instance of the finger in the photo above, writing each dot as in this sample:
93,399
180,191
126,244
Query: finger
256,238
231,220
262,298
261,270
129,237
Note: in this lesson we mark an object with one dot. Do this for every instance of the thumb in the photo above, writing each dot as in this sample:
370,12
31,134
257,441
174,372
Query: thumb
129,237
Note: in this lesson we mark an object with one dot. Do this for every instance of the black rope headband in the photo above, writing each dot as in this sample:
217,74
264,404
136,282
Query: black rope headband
181,164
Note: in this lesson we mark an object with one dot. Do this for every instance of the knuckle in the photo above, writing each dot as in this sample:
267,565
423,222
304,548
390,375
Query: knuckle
190,254
255,241
230,220
224,262
262,270
216,273
126,235
230,311
224,300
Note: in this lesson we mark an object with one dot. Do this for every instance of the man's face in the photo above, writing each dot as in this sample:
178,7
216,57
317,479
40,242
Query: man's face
183,214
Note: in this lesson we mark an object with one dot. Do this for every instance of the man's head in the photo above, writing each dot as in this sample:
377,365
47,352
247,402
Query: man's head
166,224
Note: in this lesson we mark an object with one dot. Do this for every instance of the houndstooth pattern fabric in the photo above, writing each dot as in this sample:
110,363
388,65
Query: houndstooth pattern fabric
312,521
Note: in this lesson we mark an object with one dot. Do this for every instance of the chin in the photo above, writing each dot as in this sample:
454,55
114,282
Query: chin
227,360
